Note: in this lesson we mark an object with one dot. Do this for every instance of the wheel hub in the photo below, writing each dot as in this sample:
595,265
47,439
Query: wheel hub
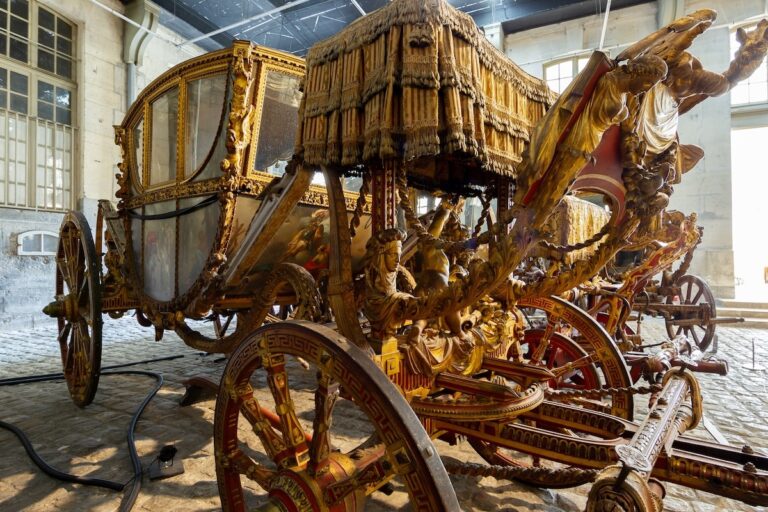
67,307
301,490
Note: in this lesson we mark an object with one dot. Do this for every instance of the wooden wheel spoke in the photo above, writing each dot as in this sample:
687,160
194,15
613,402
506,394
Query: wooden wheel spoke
326,395
64,335
61,264
688,290
553,357
260,423
81,351
541,349
698,296
72,260
72,363
293,433
83,301
373,471
238,462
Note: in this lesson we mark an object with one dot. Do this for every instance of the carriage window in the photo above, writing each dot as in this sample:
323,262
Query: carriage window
165,118
279,120
205,102
138,151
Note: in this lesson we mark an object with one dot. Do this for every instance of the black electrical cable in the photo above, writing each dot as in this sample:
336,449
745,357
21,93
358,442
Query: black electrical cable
128,499
53,472
12,381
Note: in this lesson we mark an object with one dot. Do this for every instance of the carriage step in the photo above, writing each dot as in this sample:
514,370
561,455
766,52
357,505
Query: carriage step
743,312
199,389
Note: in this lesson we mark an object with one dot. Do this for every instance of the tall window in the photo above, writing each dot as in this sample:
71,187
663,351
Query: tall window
560,73
755,88
37,92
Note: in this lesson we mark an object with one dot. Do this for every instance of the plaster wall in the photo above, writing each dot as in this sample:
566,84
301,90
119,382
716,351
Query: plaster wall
707,188
27,282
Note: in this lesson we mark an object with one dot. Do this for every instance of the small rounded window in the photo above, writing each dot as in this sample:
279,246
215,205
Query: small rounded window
38,243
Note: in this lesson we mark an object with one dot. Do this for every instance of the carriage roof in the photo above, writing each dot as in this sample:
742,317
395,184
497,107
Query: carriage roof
413,81
165,149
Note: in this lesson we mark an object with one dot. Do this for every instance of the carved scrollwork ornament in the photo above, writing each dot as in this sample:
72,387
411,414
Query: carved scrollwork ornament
616,490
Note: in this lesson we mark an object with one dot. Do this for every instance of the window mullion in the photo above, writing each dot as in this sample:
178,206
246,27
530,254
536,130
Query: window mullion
31,160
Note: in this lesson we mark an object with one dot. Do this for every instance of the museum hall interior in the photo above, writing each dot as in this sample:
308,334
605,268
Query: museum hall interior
378,255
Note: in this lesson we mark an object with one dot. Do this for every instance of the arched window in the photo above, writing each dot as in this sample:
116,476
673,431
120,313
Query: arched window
560,73
38,243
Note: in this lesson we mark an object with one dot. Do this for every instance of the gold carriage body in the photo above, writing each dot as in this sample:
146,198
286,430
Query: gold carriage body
200,146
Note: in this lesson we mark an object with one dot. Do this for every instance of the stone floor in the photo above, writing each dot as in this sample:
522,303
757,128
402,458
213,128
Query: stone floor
91,441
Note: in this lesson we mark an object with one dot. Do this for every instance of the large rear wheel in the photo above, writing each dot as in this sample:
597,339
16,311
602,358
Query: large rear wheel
78,308
278,431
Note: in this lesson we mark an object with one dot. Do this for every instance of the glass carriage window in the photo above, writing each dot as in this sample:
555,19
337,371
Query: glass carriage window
205,103
160,252
165,118
279,121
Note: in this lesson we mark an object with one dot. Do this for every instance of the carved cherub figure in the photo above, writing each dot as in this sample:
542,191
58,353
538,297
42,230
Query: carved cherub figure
436,270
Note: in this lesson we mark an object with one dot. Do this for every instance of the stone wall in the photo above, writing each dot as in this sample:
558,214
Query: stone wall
707,190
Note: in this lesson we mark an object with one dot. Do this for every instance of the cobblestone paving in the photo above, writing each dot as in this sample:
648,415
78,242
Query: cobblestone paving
91,441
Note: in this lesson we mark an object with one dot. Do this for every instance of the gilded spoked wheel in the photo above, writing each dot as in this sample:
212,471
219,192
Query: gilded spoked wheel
558,351
694,324
276,433
558,329
78,308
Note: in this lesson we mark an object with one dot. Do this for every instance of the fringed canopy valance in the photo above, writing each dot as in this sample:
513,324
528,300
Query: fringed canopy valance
414,79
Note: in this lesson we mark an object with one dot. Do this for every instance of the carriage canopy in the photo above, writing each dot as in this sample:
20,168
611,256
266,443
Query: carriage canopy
413,80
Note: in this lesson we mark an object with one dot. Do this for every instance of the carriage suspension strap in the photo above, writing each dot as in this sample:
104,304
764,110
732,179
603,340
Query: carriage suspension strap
686,263
365,189
415,224
485,200
599,393
569,474
175,213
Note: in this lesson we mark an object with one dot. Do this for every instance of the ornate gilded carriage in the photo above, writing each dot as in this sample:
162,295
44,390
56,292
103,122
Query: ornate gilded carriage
418,322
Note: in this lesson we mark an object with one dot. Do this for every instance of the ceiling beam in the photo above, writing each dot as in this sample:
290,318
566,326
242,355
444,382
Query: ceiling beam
525,15
196,21
243,22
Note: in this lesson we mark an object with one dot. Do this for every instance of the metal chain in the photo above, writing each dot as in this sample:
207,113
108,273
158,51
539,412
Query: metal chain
365,189
599,393
581,245
511,472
